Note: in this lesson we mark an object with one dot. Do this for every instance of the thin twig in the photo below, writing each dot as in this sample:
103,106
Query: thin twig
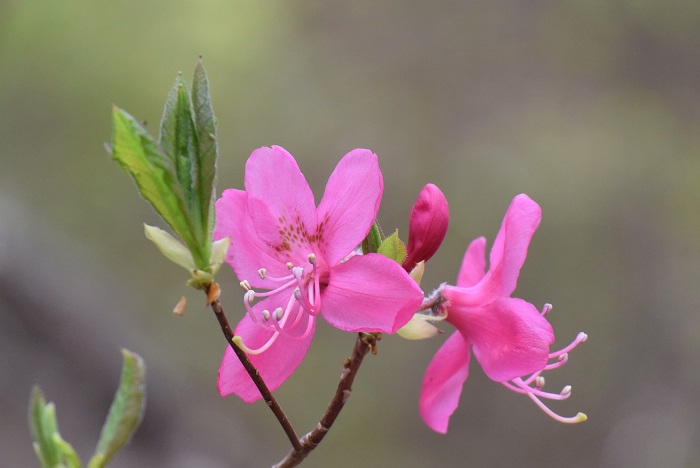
253,372
365,343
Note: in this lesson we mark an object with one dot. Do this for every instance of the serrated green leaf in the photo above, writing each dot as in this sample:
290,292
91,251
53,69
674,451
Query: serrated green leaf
126,411
205,122
178,140
188,137
137,152
374,239
393,248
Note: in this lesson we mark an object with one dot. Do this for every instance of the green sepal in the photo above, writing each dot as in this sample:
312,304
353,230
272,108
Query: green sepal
126,411
393,248
51,450
374,239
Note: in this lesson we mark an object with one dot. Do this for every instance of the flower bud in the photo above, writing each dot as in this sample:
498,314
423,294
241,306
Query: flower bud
427,226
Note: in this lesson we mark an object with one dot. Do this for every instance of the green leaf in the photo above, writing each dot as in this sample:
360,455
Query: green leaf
170,247
51,450
137,152
126,411
42,428
393,248
68,454
374,239
177,175
205,122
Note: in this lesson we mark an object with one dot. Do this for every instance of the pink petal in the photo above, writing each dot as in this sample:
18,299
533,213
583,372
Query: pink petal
428,225
509,337
275,364
279,199
473,264
247,253
443,382
370,293
350,203
510,246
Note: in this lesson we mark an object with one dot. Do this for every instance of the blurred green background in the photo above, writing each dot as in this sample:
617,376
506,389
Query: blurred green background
592,108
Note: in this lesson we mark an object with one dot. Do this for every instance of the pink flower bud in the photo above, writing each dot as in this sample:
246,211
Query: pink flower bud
428,226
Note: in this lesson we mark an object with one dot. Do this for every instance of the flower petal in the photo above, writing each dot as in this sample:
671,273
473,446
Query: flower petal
247,253
349,204
430,216
280,201
370,293
443,382
509,337
510,246
473,264
275,364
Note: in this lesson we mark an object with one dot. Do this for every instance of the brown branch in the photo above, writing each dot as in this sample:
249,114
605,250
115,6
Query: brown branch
365,343
212,298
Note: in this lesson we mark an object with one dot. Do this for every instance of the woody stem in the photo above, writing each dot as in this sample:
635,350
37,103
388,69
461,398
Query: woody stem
364,343
254,373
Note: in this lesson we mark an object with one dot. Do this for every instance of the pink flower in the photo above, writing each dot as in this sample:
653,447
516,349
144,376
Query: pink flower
508,336
304,256
428,226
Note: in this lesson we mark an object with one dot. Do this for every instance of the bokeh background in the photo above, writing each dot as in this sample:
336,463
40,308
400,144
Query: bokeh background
590,107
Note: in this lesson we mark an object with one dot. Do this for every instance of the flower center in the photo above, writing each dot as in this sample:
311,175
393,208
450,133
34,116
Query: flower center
301,306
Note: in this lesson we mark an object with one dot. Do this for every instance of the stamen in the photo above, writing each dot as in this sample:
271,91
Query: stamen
276,290
580,417
518,386
522,386
539,382
304,302
309,327
563,359
238,341
532,378
247,301
546,309
298,274
317,292
580,338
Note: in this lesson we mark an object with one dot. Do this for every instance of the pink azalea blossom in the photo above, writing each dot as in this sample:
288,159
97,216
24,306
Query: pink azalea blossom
304,257
427,227
510,338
